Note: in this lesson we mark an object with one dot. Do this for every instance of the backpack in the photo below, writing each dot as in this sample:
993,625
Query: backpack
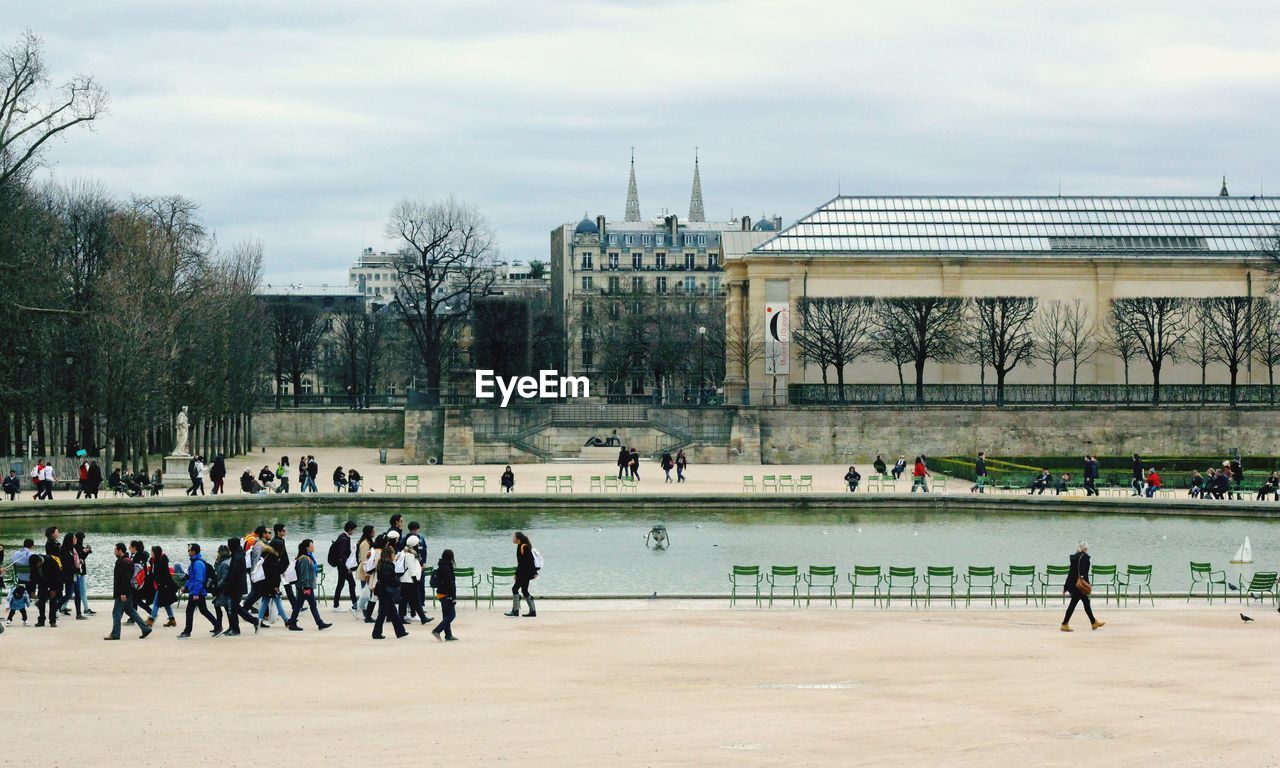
211,582
334,558
435,579
537,559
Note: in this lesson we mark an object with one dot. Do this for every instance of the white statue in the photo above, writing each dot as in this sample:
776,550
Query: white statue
180,445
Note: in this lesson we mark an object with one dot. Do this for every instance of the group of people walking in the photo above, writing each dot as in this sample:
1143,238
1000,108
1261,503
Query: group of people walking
251,576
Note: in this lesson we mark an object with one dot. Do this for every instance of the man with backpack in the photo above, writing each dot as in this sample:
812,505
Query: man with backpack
341,557
199,579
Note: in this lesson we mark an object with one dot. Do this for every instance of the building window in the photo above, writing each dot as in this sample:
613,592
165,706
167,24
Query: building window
702,239
688,261
586,311
306,386
713,260
691,309
615,285
637,261
659,239
629,239
613,261
646,239
636,308
613,239
637,285
660,284
660,261
588,358
586,282
328,323
586,261
713,284
690,285
615,310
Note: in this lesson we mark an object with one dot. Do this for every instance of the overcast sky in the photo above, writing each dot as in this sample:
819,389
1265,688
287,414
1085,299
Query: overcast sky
300,125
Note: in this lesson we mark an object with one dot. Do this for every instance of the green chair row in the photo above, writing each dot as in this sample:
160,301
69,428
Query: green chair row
778,483
392,483
941,581
613,484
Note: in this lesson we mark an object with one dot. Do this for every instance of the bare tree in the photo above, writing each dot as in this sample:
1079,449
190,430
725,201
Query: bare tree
1228,319
1005,327
296,331
744,346
448,257
1053,338
834,331
1266,320
1158,325
926,327
1200,344
1082,341
1121,342
29,115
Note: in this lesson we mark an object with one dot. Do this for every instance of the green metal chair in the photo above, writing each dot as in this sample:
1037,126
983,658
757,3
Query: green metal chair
466,578
941,577
805,483
630,484
1138,577
867,577
320,591
391,483
479,484
1203,573
410,483
1106,579
980,578
939,484
1020,577
902,578
873,483
426,578
748,484
1057,574
597,484
769,483
823,577
784,577
611,483
785,483
552,485
566,483
1262,583
746,576
499,572
456,485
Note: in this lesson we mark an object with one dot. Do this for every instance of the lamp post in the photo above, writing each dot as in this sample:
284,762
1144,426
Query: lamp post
702,337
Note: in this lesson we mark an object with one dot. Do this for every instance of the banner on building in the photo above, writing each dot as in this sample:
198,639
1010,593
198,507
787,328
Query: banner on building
777,339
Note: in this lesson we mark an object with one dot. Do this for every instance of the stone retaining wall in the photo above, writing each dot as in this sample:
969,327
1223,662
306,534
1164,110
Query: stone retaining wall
329,427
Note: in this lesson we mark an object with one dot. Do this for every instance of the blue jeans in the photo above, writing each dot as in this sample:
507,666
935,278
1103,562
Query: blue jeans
266,602
1151,490
122,608
84,594
308,484
448,610
155,607
919,482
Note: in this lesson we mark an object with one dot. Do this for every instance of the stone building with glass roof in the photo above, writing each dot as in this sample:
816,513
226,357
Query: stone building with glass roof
1089,248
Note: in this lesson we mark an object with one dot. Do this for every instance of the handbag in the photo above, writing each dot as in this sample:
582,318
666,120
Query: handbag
1083,587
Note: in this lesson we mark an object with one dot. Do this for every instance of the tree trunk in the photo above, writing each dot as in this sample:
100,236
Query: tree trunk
919,382
840,381
1235,373
1155,384
1000,374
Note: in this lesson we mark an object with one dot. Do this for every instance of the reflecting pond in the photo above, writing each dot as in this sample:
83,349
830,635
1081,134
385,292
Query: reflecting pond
604,552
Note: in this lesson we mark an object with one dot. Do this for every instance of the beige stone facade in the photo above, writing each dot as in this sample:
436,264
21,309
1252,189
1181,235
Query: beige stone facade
820,257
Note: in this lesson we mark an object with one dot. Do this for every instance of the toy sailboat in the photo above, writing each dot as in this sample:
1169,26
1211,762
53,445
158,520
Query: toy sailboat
1244,554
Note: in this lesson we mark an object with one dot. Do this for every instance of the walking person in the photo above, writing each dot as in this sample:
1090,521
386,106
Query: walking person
388,594
218,474
342,556
122,595
51,578
442,581
667,464
232,587
919,475
46,481
411,600
634,463
313,471
526,571
624,460
95,480
851,479
305,566
980,474
420,550
1079,588
197,592
163,588
682,462
83,486
282,474
1138,476
364,551
508,481
266,586
1090,475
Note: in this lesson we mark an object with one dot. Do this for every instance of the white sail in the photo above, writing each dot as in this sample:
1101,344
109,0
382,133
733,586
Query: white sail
1245,553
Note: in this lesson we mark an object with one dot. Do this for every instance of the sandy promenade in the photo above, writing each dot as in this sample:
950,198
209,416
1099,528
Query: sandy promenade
661,683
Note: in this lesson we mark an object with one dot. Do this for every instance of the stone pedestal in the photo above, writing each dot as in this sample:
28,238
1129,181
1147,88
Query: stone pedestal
175,472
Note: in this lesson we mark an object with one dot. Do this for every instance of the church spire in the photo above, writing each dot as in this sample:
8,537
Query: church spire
1224,192
633,197
695,199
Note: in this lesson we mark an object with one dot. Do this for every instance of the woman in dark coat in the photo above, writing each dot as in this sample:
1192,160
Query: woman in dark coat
442,580
388,594
163,587
218,474
233,587
1079,570
526,571
94,480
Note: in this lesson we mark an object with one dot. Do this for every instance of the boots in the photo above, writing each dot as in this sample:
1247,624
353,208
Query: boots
171,623
1098,624
515,607
1067,628
531,612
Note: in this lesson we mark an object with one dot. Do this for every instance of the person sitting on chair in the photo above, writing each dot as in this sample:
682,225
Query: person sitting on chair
851,479
1040,483
1063,484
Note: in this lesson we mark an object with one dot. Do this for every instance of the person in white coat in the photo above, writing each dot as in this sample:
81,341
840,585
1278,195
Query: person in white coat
411,603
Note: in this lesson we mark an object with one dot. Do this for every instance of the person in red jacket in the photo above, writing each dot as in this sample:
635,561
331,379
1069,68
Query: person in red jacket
918,475
1153,483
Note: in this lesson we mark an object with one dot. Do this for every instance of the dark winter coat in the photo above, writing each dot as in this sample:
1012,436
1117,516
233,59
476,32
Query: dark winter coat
122,578
161,580
446,586
1079,570
525,569
233,585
